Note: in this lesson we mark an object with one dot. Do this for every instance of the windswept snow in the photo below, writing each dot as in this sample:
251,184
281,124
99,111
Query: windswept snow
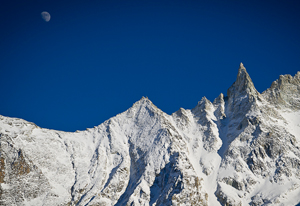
242,149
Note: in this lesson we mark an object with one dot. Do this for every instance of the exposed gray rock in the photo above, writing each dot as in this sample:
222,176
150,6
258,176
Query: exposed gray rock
242,149
284,92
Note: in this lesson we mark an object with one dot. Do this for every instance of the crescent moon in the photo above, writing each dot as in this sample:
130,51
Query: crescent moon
46,16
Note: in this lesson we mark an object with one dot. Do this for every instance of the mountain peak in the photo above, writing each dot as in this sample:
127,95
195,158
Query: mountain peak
219,99
235,151
284,92
203,105
243,76
144,100
243,84
144,104
242,65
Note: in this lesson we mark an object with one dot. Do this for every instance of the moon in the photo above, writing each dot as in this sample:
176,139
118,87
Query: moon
46,16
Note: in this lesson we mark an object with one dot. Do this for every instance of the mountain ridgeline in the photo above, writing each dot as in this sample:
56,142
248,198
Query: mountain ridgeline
242,149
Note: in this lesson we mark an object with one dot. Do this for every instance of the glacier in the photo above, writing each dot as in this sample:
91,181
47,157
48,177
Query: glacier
240,149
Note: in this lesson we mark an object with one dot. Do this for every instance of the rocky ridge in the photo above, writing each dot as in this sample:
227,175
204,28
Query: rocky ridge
242,149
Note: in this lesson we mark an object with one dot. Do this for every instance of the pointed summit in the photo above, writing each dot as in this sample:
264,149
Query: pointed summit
242,93
243,84
144,105
143,102
242,65
219,99
203,105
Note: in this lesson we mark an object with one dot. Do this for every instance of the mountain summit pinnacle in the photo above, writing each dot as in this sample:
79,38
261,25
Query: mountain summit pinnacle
243,84
239,150
242,92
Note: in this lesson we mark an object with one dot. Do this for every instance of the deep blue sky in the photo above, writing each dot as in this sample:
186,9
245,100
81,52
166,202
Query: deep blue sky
94,59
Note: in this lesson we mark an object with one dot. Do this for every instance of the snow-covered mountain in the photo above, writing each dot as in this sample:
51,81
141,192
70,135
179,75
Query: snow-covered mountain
242,149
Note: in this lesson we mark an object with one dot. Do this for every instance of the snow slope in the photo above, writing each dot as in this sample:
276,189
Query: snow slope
242,149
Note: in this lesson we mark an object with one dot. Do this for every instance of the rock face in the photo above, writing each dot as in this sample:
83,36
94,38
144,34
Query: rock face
242,149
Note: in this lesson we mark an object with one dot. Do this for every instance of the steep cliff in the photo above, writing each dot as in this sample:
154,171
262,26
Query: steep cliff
242,149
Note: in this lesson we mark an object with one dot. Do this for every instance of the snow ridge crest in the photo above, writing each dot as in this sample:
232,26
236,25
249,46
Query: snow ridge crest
237,150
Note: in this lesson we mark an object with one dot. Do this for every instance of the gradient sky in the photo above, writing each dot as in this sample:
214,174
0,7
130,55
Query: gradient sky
94,59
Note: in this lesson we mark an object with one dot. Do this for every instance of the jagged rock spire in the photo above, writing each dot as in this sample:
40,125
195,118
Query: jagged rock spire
284,92
243,84
219,99
242,94
203,105
219,103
